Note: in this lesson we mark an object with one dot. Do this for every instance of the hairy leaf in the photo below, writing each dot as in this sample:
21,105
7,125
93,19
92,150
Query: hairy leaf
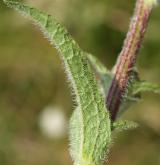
103,75
130,98
135,91
90,128
124,125
144,86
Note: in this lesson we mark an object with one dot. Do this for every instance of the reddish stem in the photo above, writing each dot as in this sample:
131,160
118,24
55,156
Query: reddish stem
127,58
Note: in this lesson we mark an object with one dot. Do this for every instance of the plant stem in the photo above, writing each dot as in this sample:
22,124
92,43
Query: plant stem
126,61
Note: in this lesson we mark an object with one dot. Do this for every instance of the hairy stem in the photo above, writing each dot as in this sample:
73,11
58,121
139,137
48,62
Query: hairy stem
123,69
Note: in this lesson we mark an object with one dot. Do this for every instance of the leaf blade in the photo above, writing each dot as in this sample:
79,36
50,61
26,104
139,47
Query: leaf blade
93,117
144,86
124,125
103,75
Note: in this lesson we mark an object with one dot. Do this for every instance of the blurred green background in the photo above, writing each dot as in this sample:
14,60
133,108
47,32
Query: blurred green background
34,89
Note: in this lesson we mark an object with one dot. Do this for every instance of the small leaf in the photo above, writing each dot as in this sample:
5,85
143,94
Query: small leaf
124,125
90,129
134,93
98,66
130,98
103,75
144,86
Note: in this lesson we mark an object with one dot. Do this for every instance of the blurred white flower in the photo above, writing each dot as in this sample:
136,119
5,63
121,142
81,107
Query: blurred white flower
53,123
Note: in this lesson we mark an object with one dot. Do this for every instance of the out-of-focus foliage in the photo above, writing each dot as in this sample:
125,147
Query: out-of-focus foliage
32,78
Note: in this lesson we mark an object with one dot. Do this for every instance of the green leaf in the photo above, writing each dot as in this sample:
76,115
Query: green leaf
124,125
98,66
144,86
90,129
130,98
134,93
103,75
